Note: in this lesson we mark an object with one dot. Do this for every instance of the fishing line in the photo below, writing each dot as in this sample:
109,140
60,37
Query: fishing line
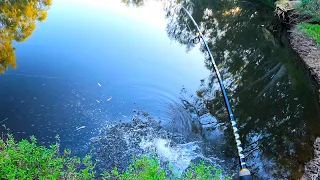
244,173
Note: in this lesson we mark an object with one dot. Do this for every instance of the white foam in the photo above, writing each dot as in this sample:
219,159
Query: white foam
180,156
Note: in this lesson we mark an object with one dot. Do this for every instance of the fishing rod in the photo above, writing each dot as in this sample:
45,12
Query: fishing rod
244,173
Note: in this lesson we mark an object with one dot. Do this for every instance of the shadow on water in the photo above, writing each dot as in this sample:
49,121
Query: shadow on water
273,100
17,23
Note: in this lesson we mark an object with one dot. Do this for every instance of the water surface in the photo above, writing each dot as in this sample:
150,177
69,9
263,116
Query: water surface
96,62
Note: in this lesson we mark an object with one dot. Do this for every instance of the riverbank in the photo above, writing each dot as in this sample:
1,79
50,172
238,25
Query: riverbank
26,159
302,20
303,23
312,169
309,53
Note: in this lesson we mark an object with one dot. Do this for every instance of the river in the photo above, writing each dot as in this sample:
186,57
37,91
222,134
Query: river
91,66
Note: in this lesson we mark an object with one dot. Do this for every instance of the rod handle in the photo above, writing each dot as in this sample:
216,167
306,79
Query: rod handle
244,174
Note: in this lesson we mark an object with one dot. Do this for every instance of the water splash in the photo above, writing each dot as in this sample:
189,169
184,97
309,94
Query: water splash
180,156
118,142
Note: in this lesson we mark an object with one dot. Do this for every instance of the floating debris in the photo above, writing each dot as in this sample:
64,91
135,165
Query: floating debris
109,99
99,84
4,120
98,101
81,127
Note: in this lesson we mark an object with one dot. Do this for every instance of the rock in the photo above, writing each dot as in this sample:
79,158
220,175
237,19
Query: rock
312,169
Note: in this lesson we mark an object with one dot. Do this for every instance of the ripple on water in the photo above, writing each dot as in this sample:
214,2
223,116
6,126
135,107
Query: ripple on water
118,142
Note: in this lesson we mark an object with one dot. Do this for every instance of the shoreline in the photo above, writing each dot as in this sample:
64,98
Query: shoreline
309,53
312,168
303,45
309,59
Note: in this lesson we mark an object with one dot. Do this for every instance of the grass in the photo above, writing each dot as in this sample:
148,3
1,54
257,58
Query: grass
310,8
28,160
312,30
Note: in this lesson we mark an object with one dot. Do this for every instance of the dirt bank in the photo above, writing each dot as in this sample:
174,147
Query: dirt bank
312,169
303,45
307,49
309,54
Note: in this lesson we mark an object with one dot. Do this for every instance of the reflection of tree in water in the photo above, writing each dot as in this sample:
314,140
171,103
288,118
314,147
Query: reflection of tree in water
17,22
136,3
273,102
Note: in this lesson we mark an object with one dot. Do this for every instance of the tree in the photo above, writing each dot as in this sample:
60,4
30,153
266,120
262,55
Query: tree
17,22
137,3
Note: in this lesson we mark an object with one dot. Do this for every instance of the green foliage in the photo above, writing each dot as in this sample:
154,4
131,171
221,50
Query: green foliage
203,171
146,168
312,30
17,22
27,160
310,8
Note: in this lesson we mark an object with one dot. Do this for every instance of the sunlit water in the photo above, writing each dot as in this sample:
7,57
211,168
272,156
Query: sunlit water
83,69
79,71
92,65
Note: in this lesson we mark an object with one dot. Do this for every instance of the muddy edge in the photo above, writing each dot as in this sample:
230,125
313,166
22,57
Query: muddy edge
309,54
306,48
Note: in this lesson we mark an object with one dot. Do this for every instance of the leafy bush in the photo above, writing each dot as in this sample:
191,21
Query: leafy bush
310,8
27,160
312,30
146,168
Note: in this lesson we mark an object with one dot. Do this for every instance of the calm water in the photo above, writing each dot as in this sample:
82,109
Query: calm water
96,62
